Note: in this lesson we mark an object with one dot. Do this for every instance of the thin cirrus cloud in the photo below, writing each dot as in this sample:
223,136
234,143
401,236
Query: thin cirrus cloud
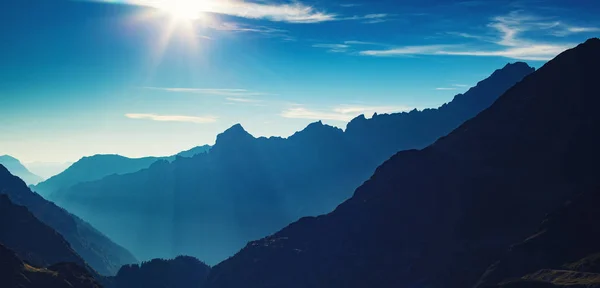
208,91
292,13
172,118
511,40
334,48
243,100
342,113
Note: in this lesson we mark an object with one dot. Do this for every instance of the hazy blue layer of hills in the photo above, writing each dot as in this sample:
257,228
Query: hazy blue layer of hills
101,253
441,216
15,167
99,166
47,169
210,205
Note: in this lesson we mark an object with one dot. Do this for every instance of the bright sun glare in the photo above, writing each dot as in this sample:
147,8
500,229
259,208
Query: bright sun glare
182,9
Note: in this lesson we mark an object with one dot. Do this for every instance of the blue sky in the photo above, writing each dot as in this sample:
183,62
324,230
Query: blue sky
153,77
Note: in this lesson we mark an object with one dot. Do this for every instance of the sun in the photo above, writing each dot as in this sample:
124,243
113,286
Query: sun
187,10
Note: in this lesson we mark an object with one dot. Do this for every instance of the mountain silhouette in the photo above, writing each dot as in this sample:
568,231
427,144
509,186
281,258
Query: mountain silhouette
245,188
439,217
99,166
16,273
15,167
100,252
194,151
181,272
565,251
34,241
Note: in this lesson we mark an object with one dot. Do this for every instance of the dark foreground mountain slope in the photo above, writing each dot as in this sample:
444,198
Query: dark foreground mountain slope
99,166
211,205
440,216
100,252
16,273
565,250
31,239
15,167
181,272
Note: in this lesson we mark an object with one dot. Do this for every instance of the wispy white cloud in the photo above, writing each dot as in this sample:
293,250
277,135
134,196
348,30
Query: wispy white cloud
243,100
247,28
350,5
354,42
369,18
172,118
208,91
408,50
510,41
570,30
342,113
335,48
238,27
460,85
292,13
445,88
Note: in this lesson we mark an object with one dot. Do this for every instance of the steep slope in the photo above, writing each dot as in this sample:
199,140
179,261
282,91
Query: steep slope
181,272
566,249
23,233
418,129
440,216
245,188
14,166
15,273
100,252
99,166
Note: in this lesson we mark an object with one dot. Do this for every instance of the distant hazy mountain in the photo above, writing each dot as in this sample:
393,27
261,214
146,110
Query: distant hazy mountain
181,272
439,217
16,168
244,188
100,252
99,166
16,273
47,169
93,168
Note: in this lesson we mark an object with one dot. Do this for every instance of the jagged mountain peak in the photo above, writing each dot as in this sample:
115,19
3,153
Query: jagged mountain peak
234,134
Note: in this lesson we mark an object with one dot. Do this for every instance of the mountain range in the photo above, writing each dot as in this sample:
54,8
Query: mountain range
245,188
99,166
465,210
15,166
507,200
99,252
